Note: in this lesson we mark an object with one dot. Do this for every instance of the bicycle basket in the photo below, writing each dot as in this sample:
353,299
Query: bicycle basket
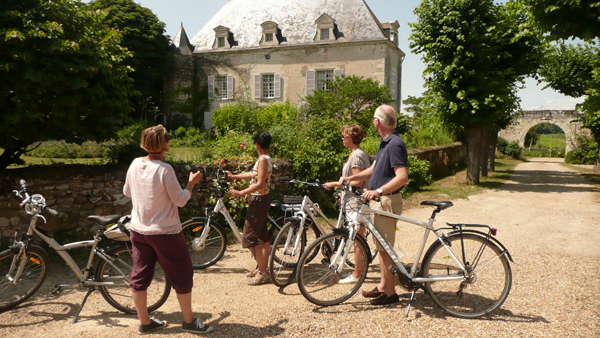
287,199
119,231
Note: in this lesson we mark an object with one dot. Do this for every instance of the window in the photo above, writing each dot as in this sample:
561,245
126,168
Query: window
221,87
323,77
221,42
269,37
324,34
268,86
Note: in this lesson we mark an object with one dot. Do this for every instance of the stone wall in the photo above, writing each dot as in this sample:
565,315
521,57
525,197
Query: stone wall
78,191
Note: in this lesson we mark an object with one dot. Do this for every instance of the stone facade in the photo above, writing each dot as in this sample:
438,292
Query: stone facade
268,51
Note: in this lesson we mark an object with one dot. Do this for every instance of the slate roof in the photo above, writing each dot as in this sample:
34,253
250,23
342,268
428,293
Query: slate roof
295,18
181,44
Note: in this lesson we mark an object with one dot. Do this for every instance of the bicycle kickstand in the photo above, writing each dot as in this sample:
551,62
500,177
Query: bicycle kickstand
412,296
91,289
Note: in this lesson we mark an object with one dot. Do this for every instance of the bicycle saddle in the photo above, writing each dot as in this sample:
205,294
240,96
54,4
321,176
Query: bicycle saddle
104,220
441,205
275,204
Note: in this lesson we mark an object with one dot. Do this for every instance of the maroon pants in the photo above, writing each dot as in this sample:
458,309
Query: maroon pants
172,254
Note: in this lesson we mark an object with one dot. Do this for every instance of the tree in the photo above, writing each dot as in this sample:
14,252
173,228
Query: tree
573,70
476,53
143,35
564,19
349,98
62,75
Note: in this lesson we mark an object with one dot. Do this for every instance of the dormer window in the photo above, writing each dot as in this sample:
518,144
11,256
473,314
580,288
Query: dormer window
271,34
326,28
223,38
394,32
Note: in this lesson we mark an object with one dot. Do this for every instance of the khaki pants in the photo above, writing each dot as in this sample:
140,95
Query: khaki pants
386,226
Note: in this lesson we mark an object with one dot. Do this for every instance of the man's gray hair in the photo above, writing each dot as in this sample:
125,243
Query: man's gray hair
387,116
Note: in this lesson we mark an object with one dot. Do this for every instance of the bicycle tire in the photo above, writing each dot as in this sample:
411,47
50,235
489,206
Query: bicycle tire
318,283
312,233
487,287
33,276
119,296
214,245
282,263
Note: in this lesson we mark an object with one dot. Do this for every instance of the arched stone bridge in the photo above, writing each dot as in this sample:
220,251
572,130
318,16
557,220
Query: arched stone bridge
528,119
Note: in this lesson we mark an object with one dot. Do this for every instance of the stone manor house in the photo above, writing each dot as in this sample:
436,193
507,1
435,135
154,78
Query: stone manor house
277,50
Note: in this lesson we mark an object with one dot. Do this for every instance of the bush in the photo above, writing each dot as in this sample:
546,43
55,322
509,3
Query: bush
501,145
418,176
61,149
275,113
237,116
126,146
586,152
513,150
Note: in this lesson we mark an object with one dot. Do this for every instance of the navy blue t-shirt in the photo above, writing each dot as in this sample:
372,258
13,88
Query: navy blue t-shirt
391,153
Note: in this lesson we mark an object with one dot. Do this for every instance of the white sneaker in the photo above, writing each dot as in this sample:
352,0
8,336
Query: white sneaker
348,280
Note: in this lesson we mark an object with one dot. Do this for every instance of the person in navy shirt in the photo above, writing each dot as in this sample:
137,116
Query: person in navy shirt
388,175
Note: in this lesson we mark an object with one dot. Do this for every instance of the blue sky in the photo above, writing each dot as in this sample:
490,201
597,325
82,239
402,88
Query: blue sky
194,14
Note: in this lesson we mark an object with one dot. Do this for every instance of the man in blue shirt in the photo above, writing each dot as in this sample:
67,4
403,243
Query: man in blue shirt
388,174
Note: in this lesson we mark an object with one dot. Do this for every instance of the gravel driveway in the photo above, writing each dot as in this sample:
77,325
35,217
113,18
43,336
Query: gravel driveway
547,216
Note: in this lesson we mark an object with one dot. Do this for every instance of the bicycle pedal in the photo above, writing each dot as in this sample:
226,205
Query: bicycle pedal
56,290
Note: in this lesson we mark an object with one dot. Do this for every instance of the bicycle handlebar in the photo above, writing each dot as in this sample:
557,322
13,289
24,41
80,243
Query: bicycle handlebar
310,184
34,204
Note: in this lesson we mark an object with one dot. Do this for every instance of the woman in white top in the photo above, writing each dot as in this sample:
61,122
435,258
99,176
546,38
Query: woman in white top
352,136
156,230
256,236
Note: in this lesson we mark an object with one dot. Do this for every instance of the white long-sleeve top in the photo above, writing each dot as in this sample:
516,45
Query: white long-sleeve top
156,195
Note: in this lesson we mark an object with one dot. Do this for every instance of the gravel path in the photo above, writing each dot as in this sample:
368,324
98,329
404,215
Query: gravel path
547,216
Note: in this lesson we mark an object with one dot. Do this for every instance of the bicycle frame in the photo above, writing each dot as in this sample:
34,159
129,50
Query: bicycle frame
220,208
62,251
393,255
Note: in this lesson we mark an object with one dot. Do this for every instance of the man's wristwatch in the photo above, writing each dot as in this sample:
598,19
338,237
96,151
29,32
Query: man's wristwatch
379,191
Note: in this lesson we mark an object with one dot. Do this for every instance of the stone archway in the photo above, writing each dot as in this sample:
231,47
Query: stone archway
528,119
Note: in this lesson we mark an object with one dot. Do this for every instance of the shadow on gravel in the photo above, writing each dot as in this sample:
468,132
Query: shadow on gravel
40,317
217,270
543,181
224,329
423,306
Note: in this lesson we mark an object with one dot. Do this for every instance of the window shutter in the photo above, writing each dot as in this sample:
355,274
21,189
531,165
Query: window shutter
229,87
394,86
208,120
310,82
211,87
257,87
277,85
338,72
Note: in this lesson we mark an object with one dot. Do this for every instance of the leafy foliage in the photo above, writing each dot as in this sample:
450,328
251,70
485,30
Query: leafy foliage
567,18
61,149
63,75
126,145
417,175
586,152
568,68
143,35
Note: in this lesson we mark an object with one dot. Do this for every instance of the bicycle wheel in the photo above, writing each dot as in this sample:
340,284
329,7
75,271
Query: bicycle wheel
119,295
486,285
214,246
318,280
34,273
284,258
312,234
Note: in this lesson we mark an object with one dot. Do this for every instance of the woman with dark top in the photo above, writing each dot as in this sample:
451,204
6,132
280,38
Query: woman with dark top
352,136
256,236
156,230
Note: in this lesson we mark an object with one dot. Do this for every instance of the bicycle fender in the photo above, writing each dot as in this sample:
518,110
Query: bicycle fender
493,239
196,219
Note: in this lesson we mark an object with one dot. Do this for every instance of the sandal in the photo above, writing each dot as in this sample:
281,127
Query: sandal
260,278
252,273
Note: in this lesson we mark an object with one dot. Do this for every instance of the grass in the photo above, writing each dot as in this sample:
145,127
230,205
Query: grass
30,160
551,141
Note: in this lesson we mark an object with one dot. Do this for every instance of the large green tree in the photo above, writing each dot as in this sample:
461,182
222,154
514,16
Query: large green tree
62,75
564,19
476,55
573,70
143,34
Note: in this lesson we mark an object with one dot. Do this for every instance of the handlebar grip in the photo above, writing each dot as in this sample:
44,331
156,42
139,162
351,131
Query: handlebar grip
51,211
23,185
285,180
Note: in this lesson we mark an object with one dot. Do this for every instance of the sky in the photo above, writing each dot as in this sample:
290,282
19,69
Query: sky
194,14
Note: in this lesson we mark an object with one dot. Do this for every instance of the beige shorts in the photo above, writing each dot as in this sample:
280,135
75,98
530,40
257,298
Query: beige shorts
386,226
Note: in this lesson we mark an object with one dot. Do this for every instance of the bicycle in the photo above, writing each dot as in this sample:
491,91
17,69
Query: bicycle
466,272
207,239
25,266
292,239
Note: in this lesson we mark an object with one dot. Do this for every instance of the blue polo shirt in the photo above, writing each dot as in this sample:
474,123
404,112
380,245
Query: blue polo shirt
392,153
